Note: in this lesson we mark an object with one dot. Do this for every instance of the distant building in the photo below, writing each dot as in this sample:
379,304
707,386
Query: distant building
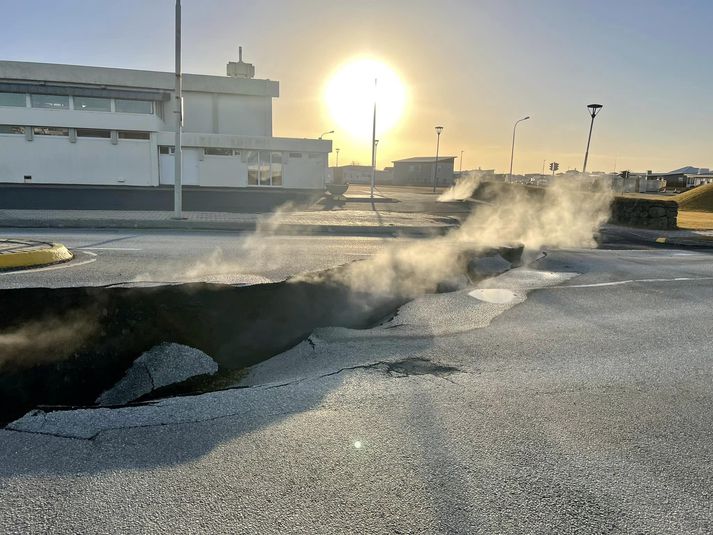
69,124
351,174
684,178
419,171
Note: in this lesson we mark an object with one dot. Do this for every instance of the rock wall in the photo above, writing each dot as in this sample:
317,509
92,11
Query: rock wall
646,213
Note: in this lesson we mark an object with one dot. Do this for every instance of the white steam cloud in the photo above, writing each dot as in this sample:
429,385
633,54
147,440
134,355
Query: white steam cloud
463,188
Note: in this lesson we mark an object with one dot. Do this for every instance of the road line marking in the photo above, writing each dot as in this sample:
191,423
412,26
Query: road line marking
629,281
90,253
50,268
109,249
662,239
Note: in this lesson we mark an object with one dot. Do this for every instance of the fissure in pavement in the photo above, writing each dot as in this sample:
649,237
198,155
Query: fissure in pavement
66,346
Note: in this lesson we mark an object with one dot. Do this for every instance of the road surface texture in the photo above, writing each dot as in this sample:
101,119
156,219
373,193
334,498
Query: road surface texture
571,396
140,256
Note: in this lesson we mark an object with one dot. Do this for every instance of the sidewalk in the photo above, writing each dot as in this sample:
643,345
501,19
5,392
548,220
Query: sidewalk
684,238
16,253
345,222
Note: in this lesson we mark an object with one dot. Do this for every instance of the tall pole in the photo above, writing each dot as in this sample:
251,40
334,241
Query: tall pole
178,155
337,150
512,150
593,111
460,168
373,145
439,129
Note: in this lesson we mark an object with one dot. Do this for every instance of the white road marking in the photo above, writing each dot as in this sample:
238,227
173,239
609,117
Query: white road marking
629,281
50,268
87,249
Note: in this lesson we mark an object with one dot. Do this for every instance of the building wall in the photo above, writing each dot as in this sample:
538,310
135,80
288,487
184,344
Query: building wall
55,160
417,173
230,114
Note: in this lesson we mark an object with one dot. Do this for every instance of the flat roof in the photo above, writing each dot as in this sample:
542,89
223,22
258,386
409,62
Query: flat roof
424,159
29,72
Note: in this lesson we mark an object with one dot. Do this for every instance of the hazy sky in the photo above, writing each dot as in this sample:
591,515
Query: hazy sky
474,66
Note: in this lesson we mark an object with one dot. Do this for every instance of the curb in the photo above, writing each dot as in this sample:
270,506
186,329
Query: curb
307,229
56,252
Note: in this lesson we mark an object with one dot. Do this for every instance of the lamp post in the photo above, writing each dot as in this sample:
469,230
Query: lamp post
325,134
594,109
337,151
460,167
439,129
512,149
178,154
373,144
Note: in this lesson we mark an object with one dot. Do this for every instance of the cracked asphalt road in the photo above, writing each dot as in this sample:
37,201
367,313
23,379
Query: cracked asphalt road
585,405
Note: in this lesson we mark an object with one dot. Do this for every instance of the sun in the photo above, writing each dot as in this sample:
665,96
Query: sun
349,95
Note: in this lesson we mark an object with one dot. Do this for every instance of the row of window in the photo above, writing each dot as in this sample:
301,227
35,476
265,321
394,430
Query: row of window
66,102
29,131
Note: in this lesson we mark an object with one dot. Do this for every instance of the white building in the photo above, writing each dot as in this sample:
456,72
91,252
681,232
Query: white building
68,124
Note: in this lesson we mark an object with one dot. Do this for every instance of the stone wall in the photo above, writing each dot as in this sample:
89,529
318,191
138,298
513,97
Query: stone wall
646,213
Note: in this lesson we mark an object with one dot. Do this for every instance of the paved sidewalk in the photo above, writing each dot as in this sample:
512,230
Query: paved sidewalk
330,222
685,238
17,253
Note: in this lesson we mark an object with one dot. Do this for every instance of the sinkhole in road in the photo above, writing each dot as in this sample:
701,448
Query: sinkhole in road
64,347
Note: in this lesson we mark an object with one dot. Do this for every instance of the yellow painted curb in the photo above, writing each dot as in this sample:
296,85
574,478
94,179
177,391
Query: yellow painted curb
39,257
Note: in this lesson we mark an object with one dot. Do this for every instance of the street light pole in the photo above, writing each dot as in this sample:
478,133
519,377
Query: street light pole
512,150
439,129
460,168
337,151
373,144
178,155
594,109
325,133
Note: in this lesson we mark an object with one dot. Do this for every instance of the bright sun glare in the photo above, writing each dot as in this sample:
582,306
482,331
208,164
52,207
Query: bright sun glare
349,95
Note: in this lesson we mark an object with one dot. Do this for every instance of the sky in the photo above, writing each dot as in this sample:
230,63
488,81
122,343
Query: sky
472,66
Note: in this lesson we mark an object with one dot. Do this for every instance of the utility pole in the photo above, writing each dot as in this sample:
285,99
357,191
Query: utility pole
373,145
439,129
178,155
460,168
512,150
594,109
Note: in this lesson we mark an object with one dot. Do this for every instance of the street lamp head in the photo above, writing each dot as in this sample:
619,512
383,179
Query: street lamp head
594,109
326,133
439,129
525,118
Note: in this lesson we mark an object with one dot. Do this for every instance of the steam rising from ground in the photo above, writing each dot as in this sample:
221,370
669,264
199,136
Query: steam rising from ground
47,339
463,188
566,214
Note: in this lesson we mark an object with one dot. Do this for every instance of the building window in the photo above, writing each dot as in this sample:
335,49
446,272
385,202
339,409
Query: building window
93,132
216,151
134,106
53,102
276,169
92,104
264,168
50,131
131,134
315,156
295,155
163,149
17,100
12,129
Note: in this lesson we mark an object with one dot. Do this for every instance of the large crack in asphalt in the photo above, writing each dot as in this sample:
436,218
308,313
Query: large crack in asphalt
64,347
397,369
